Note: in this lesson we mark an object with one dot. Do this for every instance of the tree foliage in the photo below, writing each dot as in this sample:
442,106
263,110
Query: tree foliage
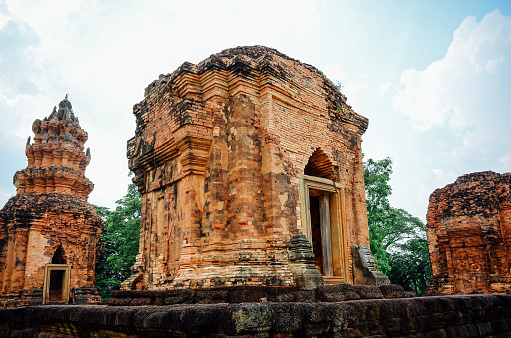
120,239
411,266
398,239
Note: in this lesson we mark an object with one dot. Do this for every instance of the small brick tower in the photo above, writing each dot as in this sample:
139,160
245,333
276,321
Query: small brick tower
469,235
48,231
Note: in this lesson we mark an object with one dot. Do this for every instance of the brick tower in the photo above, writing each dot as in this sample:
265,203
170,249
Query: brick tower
469,235
48,231
234,157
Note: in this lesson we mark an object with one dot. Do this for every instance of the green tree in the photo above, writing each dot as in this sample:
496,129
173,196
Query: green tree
120,239
397,238
410,266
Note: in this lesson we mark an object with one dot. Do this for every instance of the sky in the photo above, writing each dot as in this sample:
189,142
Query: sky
432,77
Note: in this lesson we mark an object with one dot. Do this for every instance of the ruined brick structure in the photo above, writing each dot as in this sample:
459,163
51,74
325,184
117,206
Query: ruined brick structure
233,157
48,231
469,235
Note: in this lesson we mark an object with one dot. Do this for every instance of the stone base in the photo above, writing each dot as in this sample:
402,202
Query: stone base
249,294
445,285
86,295
16,299
445,316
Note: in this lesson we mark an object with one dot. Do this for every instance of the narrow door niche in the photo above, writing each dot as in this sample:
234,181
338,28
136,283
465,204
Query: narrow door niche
57,279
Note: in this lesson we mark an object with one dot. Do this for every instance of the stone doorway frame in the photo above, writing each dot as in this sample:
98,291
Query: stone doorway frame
333,224
66,283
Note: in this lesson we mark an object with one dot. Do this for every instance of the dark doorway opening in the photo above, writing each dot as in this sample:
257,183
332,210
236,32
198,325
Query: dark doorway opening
56,286
317,246
320,231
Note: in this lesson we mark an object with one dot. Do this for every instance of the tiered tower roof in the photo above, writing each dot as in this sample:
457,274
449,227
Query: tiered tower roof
56,160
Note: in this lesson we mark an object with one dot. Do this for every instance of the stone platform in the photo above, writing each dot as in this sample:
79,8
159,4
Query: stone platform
250,294
439,316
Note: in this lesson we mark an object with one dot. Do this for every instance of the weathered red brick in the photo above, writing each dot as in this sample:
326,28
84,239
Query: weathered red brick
218,151
469,235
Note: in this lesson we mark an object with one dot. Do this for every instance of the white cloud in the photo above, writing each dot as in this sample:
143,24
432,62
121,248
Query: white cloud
49,18
385,88
335,73
3,20
105,53
436,178
414,191
376,151
4,196
352,89
447,88
16,127
506,161
466,92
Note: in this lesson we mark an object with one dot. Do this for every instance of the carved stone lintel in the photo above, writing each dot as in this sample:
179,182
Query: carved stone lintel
301,263
366,272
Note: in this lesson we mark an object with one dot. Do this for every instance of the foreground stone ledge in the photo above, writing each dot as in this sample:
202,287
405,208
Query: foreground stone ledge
441,316
248,294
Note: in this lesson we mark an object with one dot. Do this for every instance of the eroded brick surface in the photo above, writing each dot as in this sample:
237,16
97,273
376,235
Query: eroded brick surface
50,212
217,152
469,235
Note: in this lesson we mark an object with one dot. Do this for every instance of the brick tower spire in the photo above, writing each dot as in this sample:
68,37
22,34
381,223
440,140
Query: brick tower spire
56,160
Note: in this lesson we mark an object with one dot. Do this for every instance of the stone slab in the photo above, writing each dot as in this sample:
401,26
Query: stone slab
439,316
247,294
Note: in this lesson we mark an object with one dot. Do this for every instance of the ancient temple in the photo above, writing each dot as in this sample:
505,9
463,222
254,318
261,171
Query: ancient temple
49,233
469,235
234,157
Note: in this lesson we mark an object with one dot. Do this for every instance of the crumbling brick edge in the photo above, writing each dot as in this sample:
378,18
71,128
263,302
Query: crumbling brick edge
451,316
